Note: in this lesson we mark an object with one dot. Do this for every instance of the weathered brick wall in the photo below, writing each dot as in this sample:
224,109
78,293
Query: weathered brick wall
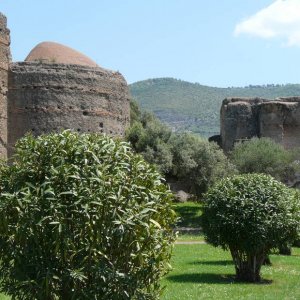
4,65
244,118
45,97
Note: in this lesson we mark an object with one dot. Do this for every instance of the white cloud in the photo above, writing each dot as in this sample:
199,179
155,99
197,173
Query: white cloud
281,20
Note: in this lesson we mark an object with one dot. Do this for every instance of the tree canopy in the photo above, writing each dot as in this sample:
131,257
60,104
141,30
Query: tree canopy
249,215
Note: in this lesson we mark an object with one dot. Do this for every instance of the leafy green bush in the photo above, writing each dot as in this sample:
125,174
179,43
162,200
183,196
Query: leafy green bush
82,217
198,162
250,214
263,155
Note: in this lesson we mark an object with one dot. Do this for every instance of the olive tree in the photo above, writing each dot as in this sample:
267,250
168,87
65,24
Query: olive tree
249,215
197,162
150,138
263,155
82,217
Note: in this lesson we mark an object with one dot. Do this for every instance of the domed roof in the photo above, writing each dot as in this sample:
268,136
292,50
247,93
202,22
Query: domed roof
57,53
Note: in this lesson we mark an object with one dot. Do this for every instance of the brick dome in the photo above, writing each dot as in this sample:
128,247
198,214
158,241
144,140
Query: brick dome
57,53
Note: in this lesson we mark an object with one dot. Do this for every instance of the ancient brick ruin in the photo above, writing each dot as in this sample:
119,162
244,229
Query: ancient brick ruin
244,118
4,65
57,88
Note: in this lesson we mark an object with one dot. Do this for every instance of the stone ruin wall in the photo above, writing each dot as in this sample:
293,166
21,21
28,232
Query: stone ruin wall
47,97
244,118
43,97
5,58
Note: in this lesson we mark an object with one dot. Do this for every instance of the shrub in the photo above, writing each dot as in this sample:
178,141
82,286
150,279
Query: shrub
250,214
263,155
82,217
197,162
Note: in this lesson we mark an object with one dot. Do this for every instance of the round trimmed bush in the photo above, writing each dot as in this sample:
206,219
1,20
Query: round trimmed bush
249,215
82,217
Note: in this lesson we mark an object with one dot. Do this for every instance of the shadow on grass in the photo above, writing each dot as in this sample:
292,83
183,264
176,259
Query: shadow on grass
189,216
213,262
211,278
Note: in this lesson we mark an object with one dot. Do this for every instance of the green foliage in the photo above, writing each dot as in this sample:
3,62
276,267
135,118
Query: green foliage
263,155
195,107
198,162
82,217
149,137
190,159
135,112
250,214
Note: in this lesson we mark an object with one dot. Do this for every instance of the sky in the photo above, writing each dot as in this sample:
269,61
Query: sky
218,43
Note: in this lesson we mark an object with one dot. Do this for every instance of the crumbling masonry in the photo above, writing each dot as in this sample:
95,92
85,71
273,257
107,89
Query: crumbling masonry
57,88
244,118
4,65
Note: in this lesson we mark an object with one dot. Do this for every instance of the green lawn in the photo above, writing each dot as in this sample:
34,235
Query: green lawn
204,272
190,238
189,214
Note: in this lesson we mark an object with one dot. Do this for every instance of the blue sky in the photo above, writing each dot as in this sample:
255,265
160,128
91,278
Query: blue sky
217,42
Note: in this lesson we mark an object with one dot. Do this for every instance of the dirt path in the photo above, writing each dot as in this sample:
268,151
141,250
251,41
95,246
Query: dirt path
190,243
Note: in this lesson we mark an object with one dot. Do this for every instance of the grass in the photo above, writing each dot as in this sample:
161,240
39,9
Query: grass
205,272
189,213
190,237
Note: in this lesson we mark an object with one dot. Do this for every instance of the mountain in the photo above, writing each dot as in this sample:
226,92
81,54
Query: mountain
195,107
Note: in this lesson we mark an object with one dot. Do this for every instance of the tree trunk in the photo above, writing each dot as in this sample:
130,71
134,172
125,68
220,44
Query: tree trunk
285,250
247,266
245,272
267,261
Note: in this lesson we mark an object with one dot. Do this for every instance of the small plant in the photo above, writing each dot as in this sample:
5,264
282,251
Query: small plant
82,217
249,215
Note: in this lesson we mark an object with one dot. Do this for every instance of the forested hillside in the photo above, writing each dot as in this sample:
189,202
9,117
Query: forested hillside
195,107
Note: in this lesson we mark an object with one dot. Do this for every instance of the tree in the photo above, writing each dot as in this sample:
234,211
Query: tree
186,157
135,113
82,217
263,155
249,215
149,137
198,162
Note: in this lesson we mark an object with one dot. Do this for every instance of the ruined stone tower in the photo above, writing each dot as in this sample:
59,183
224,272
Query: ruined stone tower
244,118
4,66
57,88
